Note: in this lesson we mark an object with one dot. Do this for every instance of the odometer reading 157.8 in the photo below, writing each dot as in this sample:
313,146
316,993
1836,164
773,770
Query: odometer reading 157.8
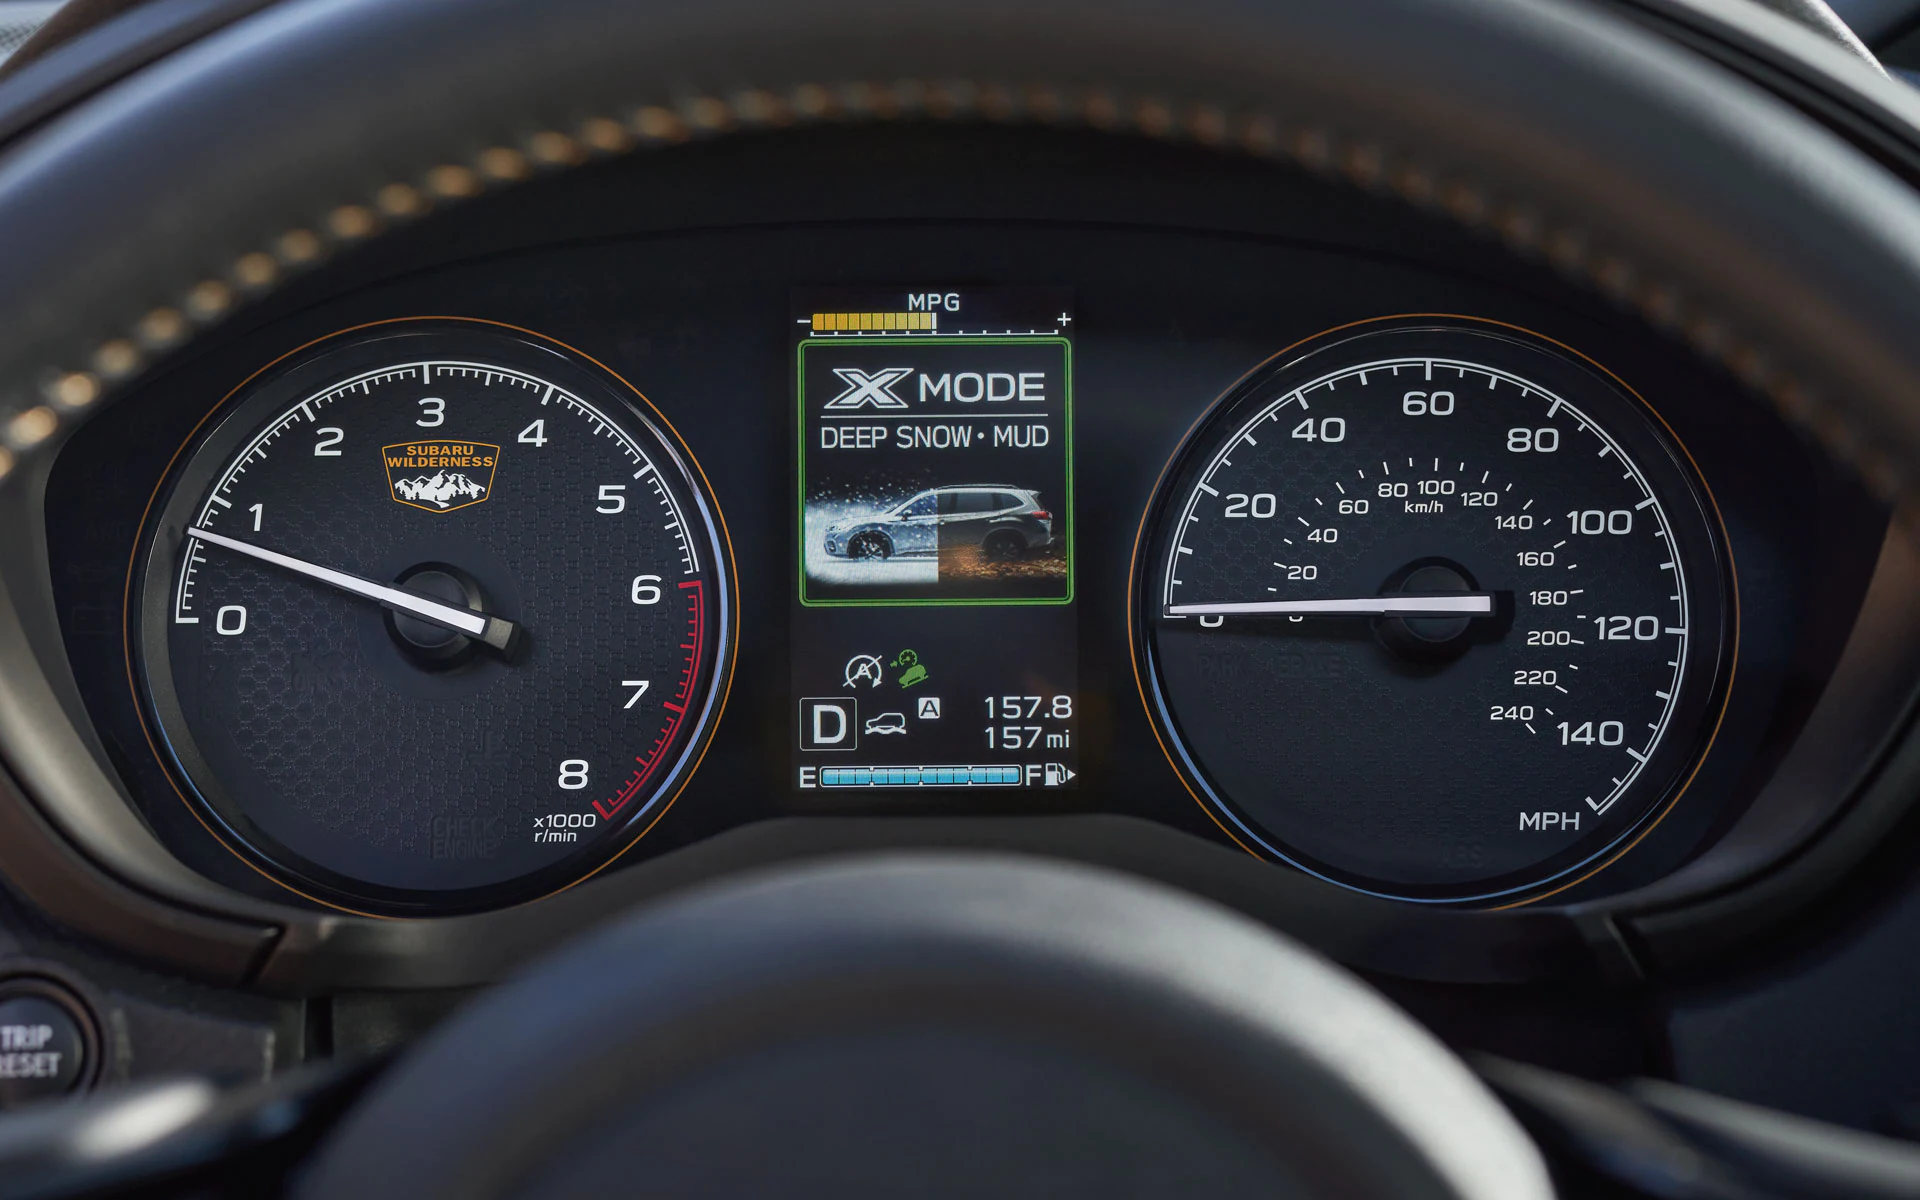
1435,611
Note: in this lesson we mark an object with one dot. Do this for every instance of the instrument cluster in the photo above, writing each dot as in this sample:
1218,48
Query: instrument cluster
442,589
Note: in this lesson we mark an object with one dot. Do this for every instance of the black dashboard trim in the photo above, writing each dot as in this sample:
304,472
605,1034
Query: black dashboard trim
1829,83
33,92
1840,794
1785,853
45,868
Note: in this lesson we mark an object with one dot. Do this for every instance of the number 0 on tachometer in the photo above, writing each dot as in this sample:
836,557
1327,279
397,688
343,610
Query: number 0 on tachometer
432,619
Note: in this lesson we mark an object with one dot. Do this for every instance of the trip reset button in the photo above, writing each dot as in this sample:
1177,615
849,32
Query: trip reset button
43,1047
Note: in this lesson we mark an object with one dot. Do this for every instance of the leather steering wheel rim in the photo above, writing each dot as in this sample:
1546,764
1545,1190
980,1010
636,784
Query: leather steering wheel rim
1709,207
937,1025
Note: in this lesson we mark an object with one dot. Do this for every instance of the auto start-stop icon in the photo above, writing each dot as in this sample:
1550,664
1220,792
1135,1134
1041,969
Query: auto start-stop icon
865,670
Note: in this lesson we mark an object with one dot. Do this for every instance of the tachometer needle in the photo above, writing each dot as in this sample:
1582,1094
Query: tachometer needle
480,626
1451,604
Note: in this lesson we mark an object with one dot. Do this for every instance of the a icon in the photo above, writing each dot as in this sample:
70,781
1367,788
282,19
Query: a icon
829,723
440,476
929,708
887,723
912,671
1057,775
864,668
864,389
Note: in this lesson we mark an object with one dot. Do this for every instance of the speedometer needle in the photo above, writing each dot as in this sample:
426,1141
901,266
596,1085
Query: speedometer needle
480,626
1452,604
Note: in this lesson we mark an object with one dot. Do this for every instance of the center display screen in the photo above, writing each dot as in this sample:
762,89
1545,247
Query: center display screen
934,646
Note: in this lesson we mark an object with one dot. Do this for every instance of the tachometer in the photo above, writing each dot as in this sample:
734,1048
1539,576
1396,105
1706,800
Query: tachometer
433,619
1435,610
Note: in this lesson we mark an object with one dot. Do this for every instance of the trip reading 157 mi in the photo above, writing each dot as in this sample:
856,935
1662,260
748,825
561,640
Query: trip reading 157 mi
1014,734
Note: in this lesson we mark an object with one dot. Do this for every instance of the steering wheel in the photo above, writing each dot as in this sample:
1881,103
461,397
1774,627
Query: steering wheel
953,1025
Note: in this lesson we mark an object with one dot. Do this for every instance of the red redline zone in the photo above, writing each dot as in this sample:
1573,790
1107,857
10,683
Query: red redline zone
655,754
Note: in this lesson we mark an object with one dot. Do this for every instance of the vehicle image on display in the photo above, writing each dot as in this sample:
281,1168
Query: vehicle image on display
1014,599
934,449
1002,522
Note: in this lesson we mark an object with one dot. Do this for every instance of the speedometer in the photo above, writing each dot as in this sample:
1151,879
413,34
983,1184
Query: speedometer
435,618
1436,610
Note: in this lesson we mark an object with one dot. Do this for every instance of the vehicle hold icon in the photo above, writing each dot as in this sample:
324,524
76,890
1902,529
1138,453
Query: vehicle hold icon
912,670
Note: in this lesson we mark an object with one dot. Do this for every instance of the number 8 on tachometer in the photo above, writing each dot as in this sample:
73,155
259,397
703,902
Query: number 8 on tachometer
434,617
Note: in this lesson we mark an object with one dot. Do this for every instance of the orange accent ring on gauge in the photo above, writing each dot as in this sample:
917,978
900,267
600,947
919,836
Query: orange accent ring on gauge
1702,727
725,638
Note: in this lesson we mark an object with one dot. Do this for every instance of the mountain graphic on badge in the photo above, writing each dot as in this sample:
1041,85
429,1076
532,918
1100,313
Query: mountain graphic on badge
440,476
440,490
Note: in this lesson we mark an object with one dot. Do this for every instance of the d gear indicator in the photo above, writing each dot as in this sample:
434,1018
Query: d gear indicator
935,627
